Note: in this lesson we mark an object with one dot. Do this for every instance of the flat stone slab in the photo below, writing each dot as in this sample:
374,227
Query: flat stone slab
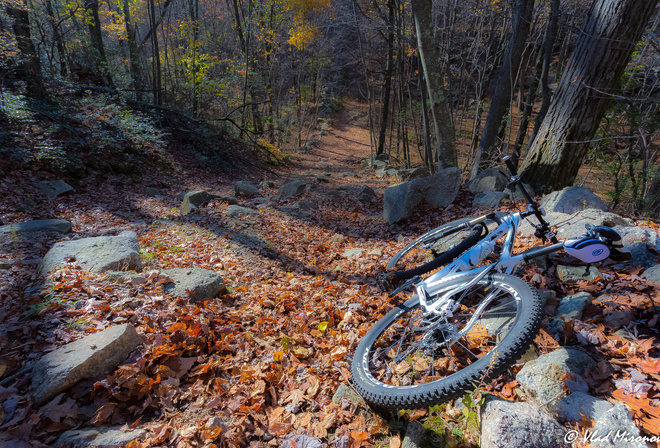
488,199
40,225
542,378
245,189
97,254
518,424
95,355
54,188
354,253
573,225
197,283
571,307
109,437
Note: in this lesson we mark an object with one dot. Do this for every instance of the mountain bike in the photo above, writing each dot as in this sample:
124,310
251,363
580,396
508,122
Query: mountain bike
470,320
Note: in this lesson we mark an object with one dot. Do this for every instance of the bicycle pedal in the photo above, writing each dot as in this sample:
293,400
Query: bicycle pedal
384,283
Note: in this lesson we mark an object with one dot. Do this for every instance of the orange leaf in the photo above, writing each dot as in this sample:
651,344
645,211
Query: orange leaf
359,439
103,413
648,365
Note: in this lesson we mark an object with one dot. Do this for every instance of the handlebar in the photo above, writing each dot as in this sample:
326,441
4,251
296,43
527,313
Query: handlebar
544,228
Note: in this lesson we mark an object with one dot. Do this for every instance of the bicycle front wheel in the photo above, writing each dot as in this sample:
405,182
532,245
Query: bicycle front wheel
411,359
435,248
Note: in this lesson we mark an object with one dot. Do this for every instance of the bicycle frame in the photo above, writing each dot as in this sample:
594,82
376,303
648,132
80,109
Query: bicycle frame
465,265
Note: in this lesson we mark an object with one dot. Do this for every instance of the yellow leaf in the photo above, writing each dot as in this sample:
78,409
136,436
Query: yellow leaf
323,326
278,356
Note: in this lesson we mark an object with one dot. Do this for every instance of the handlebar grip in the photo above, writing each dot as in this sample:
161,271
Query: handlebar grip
510,165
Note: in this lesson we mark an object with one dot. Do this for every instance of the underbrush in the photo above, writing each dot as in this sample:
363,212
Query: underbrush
80,131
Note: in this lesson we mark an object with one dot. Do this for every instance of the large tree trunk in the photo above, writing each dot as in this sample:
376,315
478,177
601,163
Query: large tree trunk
100,59
592,75
486,153
29,67
444,130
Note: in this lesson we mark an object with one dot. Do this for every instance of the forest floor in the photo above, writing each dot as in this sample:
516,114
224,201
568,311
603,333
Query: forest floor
268,356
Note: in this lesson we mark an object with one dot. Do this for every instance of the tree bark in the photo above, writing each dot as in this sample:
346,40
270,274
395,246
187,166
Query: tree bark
486,152
132,52
388,79
445,148
29,67
592,75
95,33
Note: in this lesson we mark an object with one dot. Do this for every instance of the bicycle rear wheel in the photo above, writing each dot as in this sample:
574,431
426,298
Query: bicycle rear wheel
410,359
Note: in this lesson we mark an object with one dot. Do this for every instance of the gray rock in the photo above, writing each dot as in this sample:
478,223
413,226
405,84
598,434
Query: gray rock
353,253
412,173
573,225
41,225
491,179
439,189
293,188
94,355
488,199
642,242
346,392
334,194
193,200
367,194
305,206
416,435
349,174
152,192
128,276
571,307
615,428
652,274
518,424
236,211
516,193
575,273
547,294
197,283
322,179
243,189
571,200
542,378
380,165
578,404
337,238
98,254
54,188
110,437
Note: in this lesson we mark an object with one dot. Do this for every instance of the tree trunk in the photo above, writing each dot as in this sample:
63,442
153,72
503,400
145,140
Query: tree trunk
95,33
132,52
428,53
388,79
29,66
547,57
486,153
592,75
157,80
57,37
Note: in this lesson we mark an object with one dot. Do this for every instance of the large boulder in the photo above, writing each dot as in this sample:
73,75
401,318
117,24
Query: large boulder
518,424
439,189
491,179
193,200
573,225
196,283
571,200
488,199
642,242
293,188
98,254
95,355
542,378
